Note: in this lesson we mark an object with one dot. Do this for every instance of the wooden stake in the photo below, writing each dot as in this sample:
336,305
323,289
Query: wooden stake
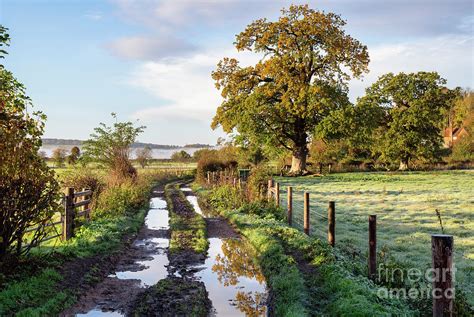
443,288
277,194
68,220
306,213
290,205
372,246
332,223
269,190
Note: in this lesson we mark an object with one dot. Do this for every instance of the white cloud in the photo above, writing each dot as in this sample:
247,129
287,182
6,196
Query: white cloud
451,56
184,85
150,48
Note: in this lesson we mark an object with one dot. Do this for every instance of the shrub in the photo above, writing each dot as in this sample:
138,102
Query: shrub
125,198
84,178
110,146
257,182
226,197
262,210
463,151
28,188
208,163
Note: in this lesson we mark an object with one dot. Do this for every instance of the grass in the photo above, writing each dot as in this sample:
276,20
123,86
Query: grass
405,205
187,232
327,288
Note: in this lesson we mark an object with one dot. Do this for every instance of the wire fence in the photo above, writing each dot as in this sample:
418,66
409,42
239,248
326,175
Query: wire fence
352,225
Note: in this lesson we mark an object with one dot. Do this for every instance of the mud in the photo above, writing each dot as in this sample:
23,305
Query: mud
139,264
173,297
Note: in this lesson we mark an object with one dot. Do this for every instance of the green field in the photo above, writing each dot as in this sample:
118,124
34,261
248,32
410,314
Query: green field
405,205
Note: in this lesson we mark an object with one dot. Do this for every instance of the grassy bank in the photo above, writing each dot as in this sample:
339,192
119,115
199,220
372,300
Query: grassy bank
36,288
302,271
188,229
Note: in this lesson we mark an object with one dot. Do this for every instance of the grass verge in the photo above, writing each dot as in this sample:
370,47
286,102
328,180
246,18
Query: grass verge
328,288
188,229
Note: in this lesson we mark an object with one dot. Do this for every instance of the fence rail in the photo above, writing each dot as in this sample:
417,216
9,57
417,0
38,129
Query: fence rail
441,245
75,204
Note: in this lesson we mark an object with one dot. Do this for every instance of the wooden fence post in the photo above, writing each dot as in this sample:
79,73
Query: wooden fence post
290,205
332,223
443,288
306,213
86,206
269,189
208,178
68,220
234,182
277,194
372,246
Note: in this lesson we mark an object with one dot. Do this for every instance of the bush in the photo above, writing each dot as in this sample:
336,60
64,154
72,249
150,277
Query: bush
226,197
122,199
257,182
208,163
29,191
463,151
84,178
262,210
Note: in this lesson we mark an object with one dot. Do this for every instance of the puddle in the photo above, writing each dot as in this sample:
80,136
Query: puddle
234,282
155,269
194,202
157,219
158,203
192,199
98,312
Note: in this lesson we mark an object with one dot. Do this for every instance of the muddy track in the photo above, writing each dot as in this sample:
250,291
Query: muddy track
93,277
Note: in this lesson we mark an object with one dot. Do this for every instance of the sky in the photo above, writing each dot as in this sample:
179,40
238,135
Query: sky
150,61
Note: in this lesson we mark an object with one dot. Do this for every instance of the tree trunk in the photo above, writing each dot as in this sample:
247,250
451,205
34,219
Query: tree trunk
403,165
298,160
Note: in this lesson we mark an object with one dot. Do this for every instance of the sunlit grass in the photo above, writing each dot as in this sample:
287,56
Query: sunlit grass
405,205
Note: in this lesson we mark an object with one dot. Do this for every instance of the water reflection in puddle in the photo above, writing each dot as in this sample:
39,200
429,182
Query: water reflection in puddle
157,219
194,202
234,282
155,269
98,312
158,203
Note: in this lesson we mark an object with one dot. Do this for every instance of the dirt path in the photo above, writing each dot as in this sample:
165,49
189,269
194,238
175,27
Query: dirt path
113,293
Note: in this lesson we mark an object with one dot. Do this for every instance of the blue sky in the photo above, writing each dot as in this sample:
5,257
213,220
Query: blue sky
151,60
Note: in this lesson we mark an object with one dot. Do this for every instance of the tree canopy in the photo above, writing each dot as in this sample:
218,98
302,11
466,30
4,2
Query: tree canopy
409,111
110,147
307,60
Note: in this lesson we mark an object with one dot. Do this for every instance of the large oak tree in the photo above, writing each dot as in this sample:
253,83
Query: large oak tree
301,78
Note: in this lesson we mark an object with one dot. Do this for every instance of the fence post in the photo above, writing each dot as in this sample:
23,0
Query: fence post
269,189
443,288
234,182
372,246
332,223
290,205
68,220
86,207
277,194
306,213
208,178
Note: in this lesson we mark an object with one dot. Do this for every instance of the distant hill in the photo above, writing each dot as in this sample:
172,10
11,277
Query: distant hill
58,142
